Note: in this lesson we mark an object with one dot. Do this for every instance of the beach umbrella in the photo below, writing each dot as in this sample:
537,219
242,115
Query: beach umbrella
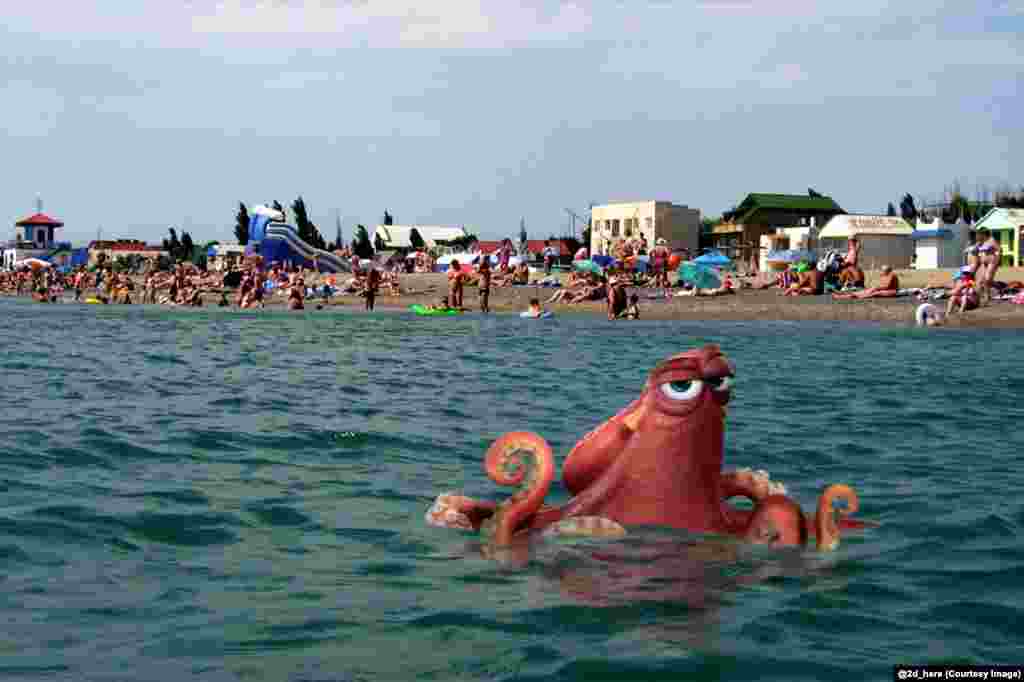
587,266
699,275
603,261
713,258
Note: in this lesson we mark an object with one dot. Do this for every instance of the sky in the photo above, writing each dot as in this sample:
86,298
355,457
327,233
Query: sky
132,117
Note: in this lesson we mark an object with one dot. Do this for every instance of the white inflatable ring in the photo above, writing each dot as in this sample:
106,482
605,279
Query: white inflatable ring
925,312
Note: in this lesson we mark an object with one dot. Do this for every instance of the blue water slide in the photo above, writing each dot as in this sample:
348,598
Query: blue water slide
327,261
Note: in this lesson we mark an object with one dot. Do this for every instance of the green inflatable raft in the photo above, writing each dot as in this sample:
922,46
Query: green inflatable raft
424,310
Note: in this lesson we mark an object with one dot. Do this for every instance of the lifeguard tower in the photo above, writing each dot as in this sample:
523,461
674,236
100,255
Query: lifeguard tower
34,237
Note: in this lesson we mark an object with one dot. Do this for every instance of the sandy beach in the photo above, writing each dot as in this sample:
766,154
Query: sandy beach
748,304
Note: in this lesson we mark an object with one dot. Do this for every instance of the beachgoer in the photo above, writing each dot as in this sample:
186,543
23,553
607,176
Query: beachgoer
456,282
550,253
535,310
659,264
616,298
633,311
964,294
888,287
372,284
990,254
521,275
484,287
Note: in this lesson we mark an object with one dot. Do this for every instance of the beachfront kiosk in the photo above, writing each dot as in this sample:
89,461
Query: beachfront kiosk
34,237
885,240
939,245
1007,226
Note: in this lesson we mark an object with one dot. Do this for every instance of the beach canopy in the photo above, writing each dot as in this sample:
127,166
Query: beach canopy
699,275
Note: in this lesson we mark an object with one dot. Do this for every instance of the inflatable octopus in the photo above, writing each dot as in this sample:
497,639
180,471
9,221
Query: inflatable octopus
658,462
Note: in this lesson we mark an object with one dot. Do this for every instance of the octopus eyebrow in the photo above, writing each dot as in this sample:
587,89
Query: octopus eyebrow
676,364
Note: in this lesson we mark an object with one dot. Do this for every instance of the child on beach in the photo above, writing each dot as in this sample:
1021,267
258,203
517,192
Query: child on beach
535,310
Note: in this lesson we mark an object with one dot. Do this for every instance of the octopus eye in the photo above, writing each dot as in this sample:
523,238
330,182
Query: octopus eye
682,390
720,384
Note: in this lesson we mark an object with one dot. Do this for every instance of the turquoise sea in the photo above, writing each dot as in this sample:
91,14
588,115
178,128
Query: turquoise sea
218,495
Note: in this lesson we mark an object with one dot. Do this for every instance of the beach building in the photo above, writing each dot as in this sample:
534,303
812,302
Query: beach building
407,237
1007,227
34,237
885,240
759,214
677,224
111,250
939,245
220,257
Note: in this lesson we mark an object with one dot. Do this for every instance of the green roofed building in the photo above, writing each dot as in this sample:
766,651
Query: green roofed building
1007,226
739,234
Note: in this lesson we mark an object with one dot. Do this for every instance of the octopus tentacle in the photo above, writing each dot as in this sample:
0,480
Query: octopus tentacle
826,524
518,458
754,485
586,526
777,521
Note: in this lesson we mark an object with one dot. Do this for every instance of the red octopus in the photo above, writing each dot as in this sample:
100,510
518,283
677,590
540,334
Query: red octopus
657,462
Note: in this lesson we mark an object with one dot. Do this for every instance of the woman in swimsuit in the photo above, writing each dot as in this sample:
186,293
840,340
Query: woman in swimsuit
989,253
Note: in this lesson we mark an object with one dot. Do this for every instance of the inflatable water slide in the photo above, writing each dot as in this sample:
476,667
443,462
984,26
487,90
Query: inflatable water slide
267,226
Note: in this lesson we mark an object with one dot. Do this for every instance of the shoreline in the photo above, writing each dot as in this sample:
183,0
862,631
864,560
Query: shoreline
746,306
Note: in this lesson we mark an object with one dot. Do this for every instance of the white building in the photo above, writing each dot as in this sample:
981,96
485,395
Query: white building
885,240
679,225
940,245
394,237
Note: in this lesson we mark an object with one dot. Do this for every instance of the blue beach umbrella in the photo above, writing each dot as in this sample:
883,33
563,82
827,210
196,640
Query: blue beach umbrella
699,275
713,258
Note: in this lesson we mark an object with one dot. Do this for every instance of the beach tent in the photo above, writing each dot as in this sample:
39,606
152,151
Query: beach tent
885,240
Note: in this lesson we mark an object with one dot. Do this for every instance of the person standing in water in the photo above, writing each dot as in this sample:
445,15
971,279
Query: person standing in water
484,289
372,284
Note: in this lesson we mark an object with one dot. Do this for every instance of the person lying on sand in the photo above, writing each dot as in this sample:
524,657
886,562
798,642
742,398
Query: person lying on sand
888,287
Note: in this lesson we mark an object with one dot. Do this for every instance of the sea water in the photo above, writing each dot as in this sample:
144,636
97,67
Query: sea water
221,495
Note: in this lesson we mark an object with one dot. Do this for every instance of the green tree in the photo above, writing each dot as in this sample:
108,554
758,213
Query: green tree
907,209
278,207
172,246
890,210
361,245
242,224
186,249
416,239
